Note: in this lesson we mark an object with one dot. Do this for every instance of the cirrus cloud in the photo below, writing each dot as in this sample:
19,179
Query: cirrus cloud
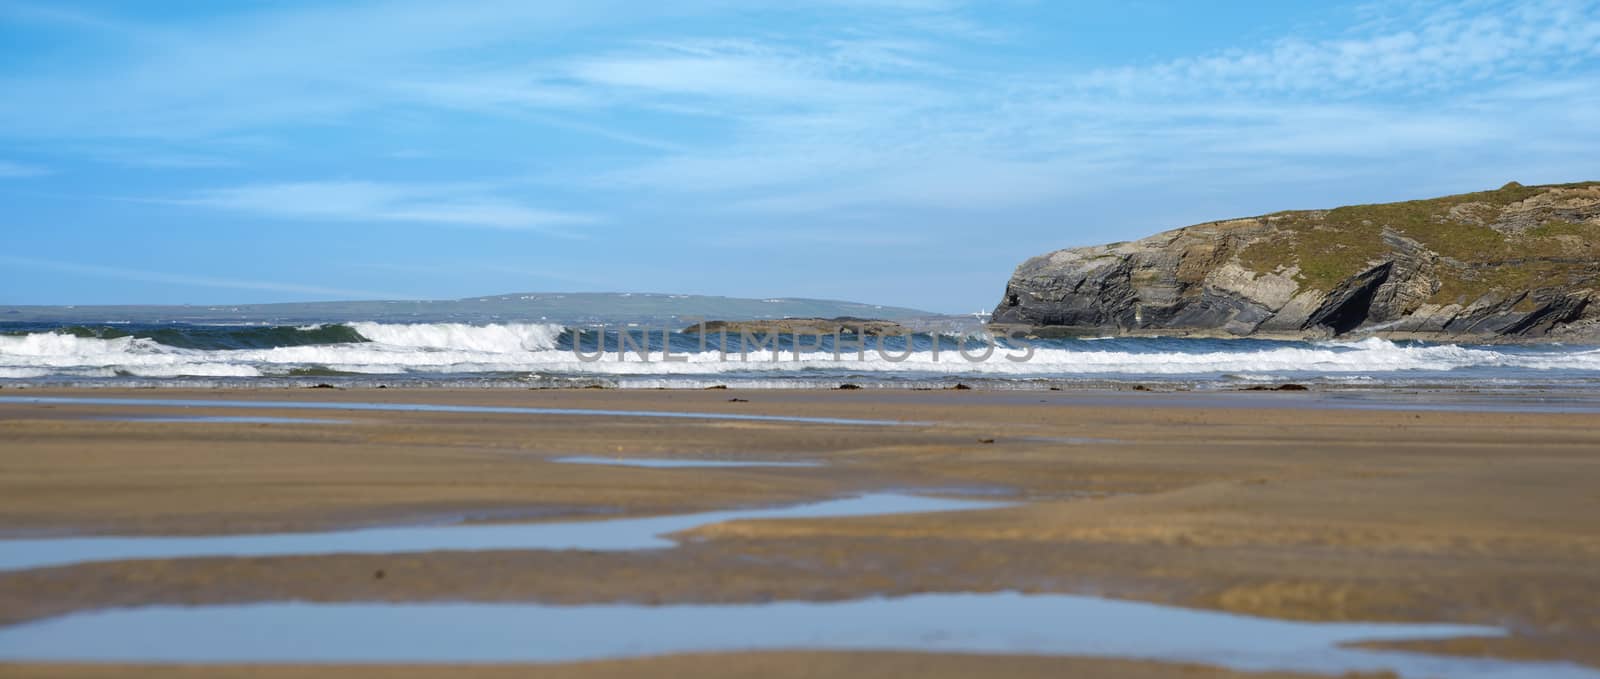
366,201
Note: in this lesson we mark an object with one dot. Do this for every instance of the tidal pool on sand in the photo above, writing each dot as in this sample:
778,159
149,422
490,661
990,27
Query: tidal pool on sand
222,419
519,632
608,535
669,463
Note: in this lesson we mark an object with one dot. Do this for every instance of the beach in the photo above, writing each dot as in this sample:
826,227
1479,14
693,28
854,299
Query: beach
933,338
1286,506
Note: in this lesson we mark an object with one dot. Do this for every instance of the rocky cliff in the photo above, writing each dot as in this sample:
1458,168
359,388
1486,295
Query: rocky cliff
1521,263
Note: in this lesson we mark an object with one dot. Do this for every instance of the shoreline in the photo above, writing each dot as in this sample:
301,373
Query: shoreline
1275,395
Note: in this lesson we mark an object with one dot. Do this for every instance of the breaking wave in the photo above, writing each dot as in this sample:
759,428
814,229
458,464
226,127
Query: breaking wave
539,350
494,338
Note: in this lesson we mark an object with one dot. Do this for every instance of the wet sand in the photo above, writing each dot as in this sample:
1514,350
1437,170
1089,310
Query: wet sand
717,666
1266,504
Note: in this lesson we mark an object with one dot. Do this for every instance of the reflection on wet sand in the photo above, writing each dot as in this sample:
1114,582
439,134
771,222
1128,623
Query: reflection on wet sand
615,534
678,463
971,623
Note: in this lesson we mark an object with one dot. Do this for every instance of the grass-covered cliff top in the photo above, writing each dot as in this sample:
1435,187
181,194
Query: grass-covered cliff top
1515,237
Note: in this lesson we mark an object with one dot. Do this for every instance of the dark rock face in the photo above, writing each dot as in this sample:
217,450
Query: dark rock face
1519,263
1349,305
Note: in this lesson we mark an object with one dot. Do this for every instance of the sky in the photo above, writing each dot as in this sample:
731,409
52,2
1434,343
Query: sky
907,152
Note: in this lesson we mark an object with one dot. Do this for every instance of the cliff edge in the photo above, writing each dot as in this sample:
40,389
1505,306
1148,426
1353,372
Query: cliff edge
1521,263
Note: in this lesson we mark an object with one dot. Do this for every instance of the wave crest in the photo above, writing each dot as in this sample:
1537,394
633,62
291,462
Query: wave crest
55,344
497,338
370,348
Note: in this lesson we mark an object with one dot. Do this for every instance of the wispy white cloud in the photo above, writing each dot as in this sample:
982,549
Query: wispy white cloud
174,161
58,15
1444,49
453,270
1458,79
738,76
151,157
867,107
316,64
512,89
870,123
831,238
10,170
377,202
188,280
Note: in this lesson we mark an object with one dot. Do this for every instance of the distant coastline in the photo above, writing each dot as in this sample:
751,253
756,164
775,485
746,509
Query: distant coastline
557,307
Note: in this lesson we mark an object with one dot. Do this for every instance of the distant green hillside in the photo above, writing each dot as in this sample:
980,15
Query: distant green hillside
1509,239
580,307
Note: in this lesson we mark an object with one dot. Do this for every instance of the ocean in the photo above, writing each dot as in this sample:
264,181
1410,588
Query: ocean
536,355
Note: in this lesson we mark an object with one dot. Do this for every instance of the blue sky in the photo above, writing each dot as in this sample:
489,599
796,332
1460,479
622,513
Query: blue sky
905,152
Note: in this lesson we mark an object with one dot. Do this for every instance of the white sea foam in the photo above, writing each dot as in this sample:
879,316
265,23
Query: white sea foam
44,344
532,348
195,370
7,373
499,338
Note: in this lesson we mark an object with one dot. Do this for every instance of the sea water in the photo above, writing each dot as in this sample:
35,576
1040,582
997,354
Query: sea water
551,355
